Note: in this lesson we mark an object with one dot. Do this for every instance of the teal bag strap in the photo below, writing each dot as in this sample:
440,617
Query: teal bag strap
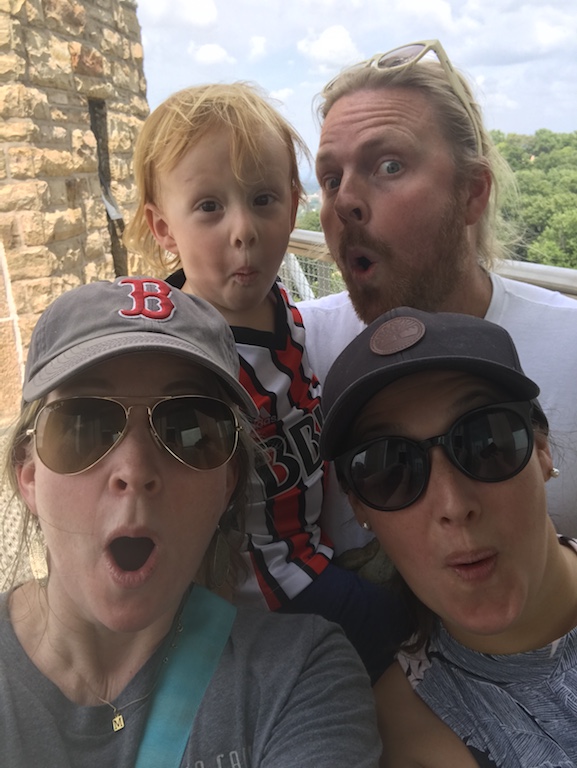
206,624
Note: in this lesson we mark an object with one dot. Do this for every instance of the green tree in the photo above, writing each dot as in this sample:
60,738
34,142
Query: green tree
558,243
545,166
309,220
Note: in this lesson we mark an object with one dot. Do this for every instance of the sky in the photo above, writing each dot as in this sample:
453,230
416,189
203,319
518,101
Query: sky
520,56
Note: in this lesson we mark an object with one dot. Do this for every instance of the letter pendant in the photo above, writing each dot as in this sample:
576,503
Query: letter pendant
117,723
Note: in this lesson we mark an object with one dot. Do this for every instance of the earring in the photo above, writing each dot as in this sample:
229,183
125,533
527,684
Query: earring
554,472
366,525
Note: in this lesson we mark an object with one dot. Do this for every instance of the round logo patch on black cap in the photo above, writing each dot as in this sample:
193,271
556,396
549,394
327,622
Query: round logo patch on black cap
396,334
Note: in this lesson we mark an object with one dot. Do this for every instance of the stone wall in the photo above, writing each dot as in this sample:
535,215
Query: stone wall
72,98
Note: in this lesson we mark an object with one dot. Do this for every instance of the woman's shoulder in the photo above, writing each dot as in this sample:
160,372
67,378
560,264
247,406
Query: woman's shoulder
413,736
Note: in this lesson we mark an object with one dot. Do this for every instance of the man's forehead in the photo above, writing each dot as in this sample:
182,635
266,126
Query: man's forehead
361,116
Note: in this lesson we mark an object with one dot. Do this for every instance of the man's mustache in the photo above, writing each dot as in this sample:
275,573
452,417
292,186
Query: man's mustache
352,237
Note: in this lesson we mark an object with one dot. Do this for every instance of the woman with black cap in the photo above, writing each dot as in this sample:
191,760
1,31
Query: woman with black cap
442,447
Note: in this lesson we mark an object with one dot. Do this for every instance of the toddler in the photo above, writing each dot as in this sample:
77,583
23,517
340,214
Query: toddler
216,168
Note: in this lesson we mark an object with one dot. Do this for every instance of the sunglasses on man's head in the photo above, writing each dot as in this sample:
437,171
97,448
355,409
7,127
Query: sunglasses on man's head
490,444
75,433
410,54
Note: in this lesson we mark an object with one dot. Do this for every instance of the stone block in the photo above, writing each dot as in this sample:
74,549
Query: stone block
18,101
84,152
49,58
95,213
12,6
51,134
86,60
25,195
31,226
102,14
111,43
103,269
136,52
54,162
97,244
12,66
65,15
23,162
124,76
73,190
6,37
120,135
127,21
64,225
28,263
120,168
93,88
34,12
9,236
15,130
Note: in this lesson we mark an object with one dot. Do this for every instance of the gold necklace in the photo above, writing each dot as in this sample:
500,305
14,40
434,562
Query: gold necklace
118,719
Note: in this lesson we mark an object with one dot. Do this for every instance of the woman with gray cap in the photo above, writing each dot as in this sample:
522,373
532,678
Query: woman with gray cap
442,448
128,466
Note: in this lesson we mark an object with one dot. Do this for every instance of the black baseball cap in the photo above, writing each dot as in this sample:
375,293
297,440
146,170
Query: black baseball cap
405,341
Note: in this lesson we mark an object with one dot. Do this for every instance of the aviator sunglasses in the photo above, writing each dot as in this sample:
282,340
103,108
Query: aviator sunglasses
410,54
75,433
490,444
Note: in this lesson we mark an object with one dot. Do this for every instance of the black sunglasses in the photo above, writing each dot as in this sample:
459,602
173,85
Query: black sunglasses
490,444
75,433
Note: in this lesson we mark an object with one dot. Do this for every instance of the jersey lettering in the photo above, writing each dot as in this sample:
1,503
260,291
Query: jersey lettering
306,436
283,471
150,298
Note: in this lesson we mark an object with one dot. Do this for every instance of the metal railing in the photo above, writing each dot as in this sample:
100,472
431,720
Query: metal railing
309,271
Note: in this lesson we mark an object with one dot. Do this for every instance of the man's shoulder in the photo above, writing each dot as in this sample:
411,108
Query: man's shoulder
523,308
527,293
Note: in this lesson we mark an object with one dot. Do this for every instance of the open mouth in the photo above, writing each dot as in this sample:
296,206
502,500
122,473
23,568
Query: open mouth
131,553
363,264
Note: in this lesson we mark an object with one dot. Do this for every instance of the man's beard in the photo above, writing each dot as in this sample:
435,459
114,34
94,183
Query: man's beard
427,287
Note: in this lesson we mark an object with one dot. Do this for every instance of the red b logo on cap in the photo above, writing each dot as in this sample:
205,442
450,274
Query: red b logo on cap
150,298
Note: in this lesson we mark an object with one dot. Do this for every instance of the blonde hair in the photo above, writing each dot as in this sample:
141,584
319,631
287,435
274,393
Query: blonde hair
20,533
184,119
495,237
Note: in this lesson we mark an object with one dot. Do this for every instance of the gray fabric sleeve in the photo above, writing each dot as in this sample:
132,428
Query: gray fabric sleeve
339,728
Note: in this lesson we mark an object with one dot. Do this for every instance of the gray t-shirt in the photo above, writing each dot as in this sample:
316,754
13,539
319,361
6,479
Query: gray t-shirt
289,692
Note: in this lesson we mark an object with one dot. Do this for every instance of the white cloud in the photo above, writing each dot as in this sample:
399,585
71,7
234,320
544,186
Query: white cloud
517,53
332,48
211,53
257,47
282,95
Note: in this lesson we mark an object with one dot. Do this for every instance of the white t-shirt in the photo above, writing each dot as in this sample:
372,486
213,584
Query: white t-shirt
543,325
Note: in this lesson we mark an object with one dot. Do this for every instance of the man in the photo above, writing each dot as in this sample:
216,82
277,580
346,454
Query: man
410,188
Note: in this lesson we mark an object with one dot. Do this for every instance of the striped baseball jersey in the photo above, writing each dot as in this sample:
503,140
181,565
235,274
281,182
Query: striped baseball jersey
284,546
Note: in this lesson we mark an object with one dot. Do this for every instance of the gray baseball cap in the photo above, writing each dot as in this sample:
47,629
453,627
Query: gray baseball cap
405,341
102,320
